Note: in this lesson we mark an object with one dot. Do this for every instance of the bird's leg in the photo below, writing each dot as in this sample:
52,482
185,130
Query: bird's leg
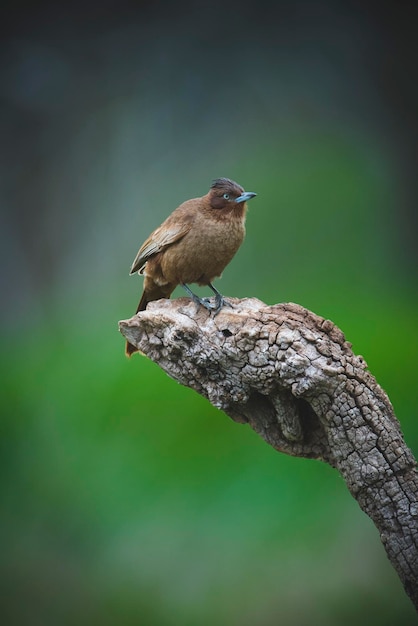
196,298
219,300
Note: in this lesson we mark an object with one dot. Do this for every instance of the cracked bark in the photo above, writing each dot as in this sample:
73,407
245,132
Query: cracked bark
293,377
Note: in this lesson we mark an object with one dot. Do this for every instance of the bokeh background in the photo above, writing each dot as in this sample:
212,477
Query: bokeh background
127,499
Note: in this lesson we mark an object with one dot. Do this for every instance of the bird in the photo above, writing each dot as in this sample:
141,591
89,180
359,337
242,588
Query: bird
193,245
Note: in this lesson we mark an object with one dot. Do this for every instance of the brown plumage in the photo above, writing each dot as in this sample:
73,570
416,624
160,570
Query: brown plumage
194,245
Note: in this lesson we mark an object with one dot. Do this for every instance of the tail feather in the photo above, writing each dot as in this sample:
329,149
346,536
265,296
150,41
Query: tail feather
130,349
148,295
142,305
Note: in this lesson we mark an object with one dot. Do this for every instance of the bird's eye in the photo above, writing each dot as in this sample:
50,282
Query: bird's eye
226,196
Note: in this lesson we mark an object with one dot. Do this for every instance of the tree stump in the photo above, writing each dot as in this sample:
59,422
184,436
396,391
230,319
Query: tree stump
293,377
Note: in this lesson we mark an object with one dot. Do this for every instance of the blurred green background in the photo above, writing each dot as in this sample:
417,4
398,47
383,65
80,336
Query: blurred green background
127,499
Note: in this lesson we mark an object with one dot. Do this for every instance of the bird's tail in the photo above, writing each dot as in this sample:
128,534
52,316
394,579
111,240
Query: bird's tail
149,295
129,348
142,305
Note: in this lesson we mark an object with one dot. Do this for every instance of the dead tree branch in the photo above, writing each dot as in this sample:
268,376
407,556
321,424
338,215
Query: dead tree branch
293,377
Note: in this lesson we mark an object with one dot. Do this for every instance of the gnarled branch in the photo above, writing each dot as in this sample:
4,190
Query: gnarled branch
293,377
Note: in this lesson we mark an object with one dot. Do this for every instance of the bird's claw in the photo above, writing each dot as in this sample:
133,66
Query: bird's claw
215,308
220,302
206,302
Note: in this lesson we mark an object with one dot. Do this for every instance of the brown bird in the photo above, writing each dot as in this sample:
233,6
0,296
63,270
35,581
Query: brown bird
194,245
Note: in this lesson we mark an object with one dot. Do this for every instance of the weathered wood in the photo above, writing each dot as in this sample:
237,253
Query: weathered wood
293,377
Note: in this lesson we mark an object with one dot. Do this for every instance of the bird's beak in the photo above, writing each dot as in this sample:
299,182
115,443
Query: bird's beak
247,195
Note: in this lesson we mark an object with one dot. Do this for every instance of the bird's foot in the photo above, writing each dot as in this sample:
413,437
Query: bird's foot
220,301
215,308
201,302
198,301
206,303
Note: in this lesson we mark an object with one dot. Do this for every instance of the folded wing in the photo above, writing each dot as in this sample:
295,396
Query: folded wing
161,238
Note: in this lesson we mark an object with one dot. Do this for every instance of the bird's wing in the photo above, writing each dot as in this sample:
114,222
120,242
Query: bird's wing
161,238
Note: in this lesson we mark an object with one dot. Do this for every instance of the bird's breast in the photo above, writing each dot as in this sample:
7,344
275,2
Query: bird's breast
203,253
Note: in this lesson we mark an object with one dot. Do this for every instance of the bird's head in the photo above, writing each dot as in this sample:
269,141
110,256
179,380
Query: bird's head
225,193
